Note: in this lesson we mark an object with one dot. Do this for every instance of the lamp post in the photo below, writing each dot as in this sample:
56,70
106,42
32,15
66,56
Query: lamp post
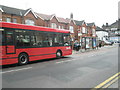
80,36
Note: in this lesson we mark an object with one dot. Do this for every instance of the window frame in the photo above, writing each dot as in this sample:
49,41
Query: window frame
14,20
53,25
71,28
30,20
8,20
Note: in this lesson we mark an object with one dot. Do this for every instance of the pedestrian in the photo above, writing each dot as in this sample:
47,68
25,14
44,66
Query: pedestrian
76,45
97,45
100,44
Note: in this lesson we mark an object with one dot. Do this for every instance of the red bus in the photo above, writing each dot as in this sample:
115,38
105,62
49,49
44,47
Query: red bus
23,43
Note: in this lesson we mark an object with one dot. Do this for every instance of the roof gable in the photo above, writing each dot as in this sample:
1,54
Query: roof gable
53,17
62,20
90,24
71,20
79,22
44,16
1,9
50,17
30,10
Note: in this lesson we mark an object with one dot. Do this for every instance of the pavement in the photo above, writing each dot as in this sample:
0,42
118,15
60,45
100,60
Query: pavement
88,50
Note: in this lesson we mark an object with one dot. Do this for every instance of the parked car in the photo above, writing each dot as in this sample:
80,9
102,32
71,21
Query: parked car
108,43
101,43
118,41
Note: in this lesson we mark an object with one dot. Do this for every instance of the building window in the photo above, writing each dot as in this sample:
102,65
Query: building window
59,27
71,29
29,22
8,19
14,20
62,27
93,32
53,25
66,40
83,30
0,19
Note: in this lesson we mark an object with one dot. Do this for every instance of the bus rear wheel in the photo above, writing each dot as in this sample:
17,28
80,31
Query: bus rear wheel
58,54
23,59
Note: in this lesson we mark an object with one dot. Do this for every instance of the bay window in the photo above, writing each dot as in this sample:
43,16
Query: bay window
71,29
53,25
29,22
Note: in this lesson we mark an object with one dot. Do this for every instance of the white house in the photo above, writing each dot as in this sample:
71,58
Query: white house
102,34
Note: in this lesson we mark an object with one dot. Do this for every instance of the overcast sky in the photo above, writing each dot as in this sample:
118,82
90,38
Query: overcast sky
98,11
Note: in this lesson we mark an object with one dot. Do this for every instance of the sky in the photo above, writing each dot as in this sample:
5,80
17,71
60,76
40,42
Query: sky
98,11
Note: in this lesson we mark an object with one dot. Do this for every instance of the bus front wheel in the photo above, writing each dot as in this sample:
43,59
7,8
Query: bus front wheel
58,54
23,59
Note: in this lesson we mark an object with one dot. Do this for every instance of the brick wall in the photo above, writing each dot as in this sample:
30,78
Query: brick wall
54,20
21,19
38,21
4,16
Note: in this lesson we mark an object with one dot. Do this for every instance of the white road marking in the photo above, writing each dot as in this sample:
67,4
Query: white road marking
15,70
92,55
66,61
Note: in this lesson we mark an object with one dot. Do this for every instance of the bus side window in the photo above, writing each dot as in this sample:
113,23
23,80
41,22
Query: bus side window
39,39
19,40
58,40
33,41
26,40
9,37
2,40
66,40
23,40
48,40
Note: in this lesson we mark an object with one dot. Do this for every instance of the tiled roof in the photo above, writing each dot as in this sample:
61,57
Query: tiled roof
62,20
67,20
15,11
48,17
44,16
79,22
90,24
100,29
115,24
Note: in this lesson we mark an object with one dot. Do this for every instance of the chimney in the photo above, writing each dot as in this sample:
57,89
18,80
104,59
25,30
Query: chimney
71,16
106,24
103,25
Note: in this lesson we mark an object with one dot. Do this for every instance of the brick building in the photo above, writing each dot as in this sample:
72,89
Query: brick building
91,35
15,15
86,34
52,21
79,29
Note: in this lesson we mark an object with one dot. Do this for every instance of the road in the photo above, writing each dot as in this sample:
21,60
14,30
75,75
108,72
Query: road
81,70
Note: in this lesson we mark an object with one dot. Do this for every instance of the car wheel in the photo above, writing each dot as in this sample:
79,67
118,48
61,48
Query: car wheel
58,54
23,59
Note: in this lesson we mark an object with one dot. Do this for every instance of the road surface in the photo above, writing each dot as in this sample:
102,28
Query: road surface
81,70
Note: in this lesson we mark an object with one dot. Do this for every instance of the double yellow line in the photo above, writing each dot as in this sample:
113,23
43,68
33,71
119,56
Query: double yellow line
108,82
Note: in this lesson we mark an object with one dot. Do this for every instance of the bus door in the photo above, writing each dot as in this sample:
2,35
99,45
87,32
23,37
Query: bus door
10,42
